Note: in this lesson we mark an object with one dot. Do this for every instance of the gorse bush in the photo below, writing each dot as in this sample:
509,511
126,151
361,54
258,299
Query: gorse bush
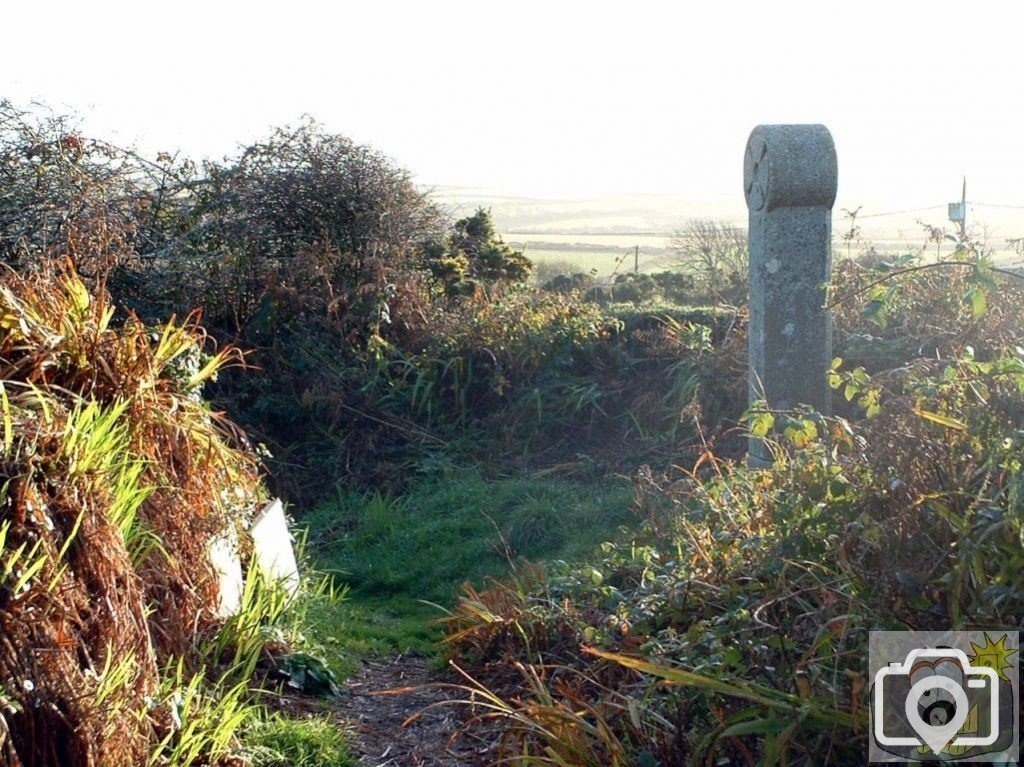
490,350
472,257
338,397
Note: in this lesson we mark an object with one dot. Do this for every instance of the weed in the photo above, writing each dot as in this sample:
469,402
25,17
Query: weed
566,728
200,721
279,741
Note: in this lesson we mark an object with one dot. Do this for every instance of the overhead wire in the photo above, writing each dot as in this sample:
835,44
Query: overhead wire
996,205
899,212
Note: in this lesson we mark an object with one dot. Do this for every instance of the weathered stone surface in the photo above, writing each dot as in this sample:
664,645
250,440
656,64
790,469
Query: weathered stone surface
790,166
790,178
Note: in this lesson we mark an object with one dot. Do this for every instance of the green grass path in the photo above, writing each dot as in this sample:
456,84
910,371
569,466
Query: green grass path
404,559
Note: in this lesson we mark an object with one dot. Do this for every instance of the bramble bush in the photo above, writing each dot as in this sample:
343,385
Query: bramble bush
730,623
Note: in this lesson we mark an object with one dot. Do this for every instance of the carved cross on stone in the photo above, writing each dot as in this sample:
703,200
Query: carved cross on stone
755,173
789,178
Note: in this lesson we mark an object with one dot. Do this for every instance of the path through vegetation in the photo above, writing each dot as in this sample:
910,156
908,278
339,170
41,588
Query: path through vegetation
382,697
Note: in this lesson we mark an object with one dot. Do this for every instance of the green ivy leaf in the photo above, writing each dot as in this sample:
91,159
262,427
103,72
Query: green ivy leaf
762,424
978,299
875,312
982,275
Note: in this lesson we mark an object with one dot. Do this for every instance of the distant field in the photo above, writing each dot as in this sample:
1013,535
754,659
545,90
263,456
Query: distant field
556,247
566,254
604,254
609,241
647,220
604,263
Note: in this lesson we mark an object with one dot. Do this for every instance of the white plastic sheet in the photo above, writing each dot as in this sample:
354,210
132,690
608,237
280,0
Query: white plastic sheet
272,546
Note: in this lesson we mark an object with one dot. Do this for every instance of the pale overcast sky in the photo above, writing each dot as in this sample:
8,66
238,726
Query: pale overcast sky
553,98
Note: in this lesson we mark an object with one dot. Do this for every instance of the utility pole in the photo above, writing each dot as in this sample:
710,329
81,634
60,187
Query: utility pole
636,259
963,204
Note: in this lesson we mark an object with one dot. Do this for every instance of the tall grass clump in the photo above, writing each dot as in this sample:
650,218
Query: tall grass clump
115,479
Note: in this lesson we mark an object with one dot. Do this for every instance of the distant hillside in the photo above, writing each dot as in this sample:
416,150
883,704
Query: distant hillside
652,214
651,219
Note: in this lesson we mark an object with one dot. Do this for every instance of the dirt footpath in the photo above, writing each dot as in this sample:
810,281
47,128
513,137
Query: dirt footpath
385,693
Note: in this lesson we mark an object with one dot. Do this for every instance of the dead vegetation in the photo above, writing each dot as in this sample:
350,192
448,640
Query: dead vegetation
115,478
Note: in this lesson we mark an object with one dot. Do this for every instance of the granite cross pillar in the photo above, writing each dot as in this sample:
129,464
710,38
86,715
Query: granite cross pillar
789,177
